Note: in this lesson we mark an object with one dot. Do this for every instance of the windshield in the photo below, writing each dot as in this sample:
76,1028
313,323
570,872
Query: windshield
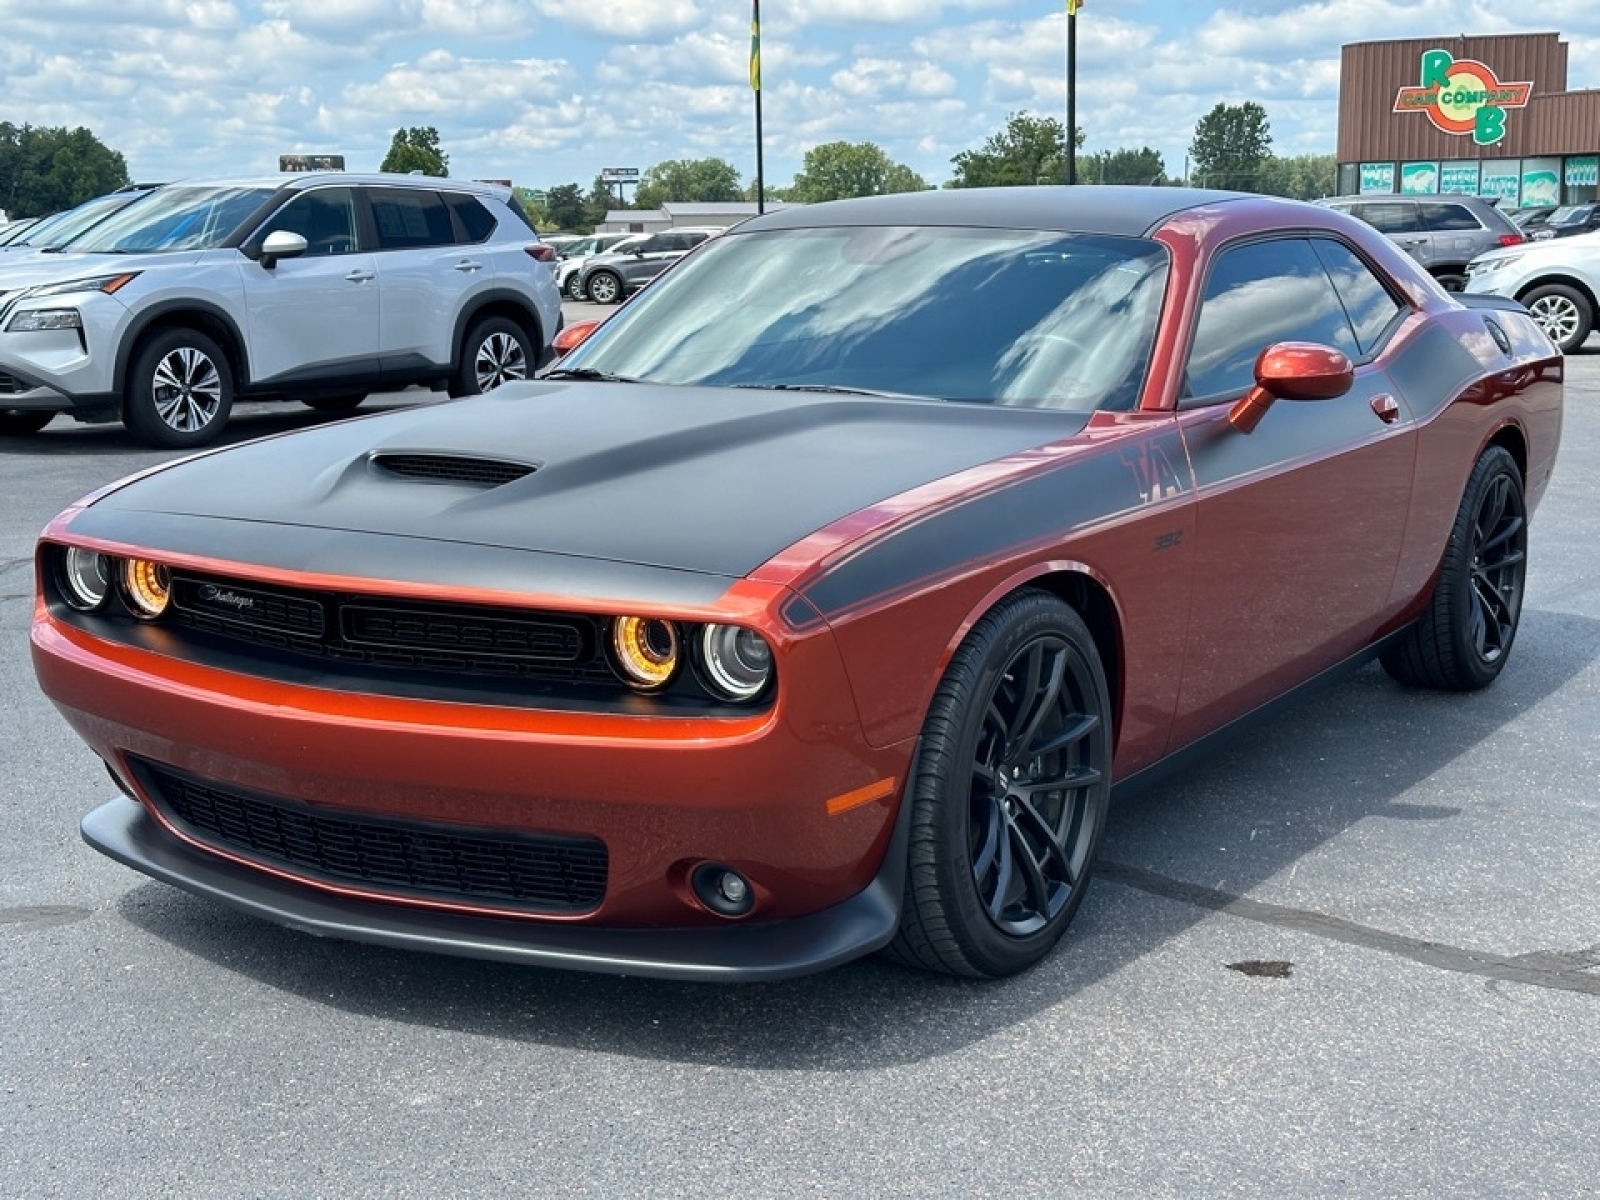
988,316
14,231
63,227
176,218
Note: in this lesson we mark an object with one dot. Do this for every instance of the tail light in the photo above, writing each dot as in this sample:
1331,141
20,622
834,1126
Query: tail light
1512,239
541,252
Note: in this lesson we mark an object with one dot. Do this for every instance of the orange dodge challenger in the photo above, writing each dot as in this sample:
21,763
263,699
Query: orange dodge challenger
816,603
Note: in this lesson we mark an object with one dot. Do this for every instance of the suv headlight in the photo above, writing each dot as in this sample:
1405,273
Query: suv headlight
37,319
109,284
1485,265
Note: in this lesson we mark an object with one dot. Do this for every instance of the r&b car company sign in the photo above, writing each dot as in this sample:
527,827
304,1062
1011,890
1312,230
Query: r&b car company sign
1463,96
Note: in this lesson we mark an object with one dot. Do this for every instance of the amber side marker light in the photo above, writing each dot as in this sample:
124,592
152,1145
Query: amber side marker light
147,586
573,336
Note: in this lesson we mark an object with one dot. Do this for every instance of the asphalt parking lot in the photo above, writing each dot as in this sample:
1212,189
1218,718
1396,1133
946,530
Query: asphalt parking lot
1425,865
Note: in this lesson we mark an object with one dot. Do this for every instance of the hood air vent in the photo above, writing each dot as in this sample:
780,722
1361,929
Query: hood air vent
452,468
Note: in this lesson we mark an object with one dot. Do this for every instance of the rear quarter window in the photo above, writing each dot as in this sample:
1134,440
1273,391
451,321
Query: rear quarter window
476,221
1449,217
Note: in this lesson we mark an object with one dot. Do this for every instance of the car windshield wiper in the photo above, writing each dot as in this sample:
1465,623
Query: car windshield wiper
588,373
833,389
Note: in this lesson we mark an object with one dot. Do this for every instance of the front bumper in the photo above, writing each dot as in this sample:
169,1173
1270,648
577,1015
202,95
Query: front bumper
123,830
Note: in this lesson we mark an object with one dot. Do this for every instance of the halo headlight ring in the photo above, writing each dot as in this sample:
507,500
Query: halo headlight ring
646,651
736,662
85,578
146,587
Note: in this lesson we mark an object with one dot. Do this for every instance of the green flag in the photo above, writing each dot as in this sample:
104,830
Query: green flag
755,48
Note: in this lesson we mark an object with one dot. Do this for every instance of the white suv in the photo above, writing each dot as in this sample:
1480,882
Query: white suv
314,287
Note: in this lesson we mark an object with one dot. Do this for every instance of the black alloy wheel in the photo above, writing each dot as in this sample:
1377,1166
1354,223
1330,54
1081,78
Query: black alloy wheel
19,422
1464,637
1009,794
604,287
179,391
495,351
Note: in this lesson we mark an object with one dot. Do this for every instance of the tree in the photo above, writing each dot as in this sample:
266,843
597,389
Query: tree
564,207
1029,150
416,149
1303,177
600,201
840,170
1230,144
688,181
1144,166
45,170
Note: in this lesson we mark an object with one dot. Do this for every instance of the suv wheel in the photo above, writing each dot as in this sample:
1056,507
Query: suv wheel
1451,279
604,288
495,351
18,422
575,286
1562,312
179,390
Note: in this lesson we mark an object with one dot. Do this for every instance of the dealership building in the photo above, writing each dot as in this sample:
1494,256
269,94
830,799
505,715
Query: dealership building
1482,116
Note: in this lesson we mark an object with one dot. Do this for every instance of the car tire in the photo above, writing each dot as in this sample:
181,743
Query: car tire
1464,637
1451,280
496,350
574,288
604,287
1563,312
993,880
334,404
179,390
19,422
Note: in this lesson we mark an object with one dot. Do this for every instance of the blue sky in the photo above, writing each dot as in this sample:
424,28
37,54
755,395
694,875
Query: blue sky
550,91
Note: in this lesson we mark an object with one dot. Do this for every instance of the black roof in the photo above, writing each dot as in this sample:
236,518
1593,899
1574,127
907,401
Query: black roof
1118,211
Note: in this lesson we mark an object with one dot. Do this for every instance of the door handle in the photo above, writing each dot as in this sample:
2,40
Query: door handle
466,264
1387,408
359,276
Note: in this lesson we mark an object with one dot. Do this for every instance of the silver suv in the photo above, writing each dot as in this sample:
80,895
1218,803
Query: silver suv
608,278
314,287
1443,233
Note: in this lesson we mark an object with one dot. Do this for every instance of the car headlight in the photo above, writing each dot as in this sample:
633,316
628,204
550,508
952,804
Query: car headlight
85,578
39,319
147,586
737,662
1483,266
646,651
109,284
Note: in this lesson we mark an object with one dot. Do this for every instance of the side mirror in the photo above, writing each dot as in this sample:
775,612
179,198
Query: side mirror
1293,371
281,243
573,336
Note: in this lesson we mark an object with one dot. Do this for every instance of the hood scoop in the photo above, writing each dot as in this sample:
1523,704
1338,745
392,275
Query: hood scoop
451,468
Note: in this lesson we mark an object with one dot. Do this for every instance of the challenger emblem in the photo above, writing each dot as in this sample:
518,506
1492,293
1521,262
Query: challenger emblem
212,594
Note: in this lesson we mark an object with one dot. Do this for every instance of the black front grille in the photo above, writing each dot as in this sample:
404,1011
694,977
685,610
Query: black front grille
449,863
449,639
450,468
10,385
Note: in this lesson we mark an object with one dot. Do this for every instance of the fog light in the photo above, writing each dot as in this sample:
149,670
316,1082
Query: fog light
86,576
646,651
148,587
723,890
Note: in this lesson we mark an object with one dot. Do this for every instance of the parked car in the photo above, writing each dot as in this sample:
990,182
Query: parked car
610,278
16,229
316,287
1443,233
581,251
816,601
1558,280
60,229
1568,221
1529,219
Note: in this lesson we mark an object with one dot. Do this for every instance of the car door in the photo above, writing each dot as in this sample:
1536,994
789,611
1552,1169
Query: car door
424,278
313,317
1300,522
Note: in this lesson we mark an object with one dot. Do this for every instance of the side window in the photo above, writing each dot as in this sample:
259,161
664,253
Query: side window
477,222
1370,305
325,217
1389,218
1447,218
1258,294
654,244
410,220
